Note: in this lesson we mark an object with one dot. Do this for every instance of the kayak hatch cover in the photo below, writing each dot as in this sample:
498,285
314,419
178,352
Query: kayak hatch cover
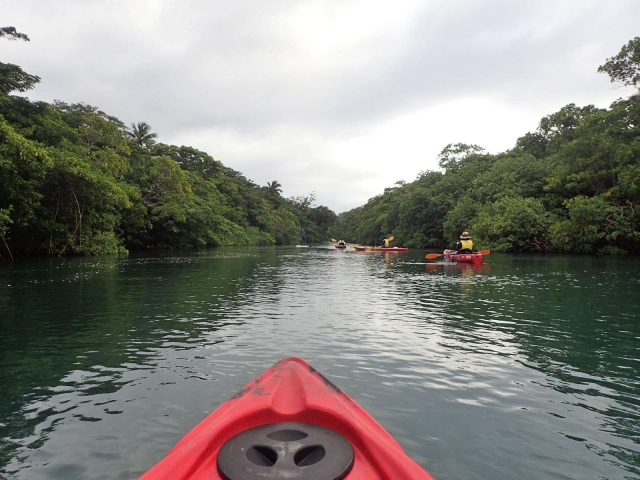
291,423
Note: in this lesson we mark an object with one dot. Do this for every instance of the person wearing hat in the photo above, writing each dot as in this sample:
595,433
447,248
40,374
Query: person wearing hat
465,245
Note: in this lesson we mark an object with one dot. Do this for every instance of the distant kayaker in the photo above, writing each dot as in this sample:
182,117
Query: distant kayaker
341,242
465,244
303,234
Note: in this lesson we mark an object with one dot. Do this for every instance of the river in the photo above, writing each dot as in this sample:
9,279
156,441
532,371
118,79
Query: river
524,367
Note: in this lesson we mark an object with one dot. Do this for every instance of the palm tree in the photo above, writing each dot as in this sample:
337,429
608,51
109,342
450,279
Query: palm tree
142,136
274,187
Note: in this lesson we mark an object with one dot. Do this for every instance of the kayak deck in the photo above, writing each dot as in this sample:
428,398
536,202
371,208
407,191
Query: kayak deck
453,256
290,391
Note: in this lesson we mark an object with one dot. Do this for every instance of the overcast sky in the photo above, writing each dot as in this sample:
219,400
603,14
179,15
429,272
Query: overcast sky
338,97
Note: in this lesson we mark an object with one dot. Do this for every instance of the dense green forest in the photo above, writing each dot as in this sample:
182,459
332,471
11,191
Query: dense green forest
75,180
573,185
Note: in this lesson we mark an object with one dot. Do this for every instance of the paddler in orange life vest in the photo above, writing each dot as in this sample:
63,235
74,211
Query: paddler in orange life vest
465,244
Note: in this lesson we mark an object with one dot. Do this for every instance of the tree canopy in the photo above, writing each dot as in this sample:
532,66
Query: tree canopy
573,185
625,66
10,33
12,77
76,180
142,136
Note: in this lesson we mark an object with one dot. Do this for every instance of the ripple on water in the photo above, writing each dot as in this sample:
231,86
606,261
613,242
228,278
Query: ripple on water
516,368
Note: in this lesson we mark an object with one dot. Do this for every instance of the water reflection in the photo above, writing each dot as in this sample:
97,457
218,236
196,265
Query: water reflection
87,329
520,367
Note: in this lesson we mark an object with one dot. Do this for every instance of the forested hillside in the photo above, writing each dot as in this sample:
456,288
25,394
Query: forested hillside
75,180
573,185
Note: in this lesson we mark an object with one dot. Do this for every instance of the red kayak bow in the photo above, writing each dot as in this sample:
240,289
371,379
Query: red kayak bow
291,423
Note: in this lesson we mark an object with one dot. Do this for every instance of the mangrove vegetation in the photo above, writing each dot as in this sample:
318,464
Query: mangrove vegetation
76,180
573,185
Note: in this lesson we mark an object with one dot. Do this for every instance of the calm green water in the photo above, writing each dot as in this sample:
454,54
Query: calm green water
525,367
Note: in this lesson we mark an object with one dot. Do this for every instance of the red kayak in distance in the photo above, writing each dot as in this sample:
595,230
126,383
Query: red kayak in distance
340,246
289,423
381,249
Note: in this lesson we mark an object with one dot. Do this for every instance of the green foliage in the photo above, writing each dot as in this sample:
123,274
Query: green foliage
453,156
274,187
457,219
14,79
625,66
609,250
10,33
23,166
511,176
74,180
189,158
511,224
5,219
584,230
573,185
141,135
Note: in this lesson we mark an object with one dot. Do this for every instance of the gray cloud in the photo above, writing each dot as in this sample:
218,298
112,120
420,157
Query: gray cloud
284,90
